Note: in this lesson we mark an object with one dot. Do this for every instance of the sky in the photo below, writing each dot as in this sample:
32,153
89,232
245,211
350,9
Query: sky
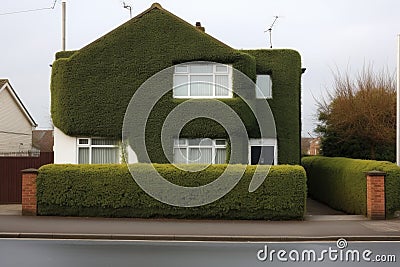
335,35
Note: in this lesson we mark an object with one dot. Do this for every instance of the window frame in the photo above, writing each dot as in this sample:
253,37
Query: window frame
263,142
215,73
186,146
91,146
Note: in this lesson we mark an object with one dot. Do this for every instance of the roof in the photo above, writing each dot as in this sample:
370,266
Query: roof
119,62
43,140
5,84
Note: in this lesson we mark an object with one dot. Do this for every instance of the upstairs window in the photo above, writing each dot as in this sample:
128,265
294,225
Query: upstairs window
98,151
264,87
200,151
202,81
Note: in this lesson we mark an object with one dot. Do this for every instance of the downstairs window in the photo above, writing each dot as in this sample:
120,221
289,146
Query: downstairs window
200,151
98,151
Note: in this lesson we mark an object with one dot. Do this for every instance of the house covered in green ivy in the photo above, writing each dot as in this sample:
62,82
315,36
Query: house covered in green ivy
92,87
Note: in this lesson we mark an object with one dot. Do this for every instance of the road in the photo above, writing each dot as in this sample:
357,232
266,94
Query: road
50,252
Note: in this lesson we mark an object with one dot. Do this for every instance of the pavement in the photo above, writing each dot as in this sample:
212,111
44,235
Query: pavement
320,224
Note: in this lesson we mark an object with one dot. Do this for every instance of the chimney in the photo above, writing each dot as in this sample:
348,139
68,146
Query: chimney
198,26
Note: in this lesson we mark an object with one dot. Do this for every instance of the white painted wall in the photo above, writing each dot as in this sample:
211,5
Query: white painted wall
65,149
132,157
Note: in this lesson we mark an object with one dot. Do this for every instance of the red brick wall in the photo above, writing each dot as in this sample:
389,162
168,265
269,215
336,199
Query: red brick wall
376,195
29,206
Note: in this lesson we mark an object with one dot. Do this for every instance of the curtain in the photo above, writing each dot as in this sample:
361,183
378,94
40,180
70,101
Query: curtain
180,155
180,85
201,85
264,86
103,155
83,155
200,155
220,155
221,85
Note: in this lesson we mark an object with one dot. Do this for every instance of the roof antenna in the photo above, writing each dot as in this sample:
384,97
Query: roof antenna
270,30
129,8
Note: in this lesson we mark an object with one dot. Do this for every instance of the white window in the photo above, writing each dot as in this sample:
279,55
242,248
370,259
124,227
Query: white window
264,86
200,151
263,151
202,81
98,151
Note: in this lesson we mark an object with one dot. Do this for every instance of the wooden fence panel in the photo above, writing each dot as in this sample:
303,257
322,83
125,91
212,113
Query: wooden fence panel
11,178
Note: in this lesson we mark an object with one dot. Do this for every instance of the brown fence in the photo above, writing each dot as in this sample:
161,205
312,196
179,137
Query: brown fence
10,174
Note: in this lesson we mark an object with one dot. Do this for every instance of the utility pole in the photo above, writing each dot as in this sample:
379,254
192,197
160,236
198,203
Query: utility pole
398,104
63,25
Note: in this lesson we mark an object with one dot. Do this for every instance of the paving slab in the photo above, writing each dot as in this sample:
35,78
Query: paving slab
11,209
168,229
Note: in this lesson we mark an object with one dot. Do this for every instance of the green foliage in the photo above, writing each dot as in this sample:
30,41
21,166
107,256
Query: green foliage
333,145
64,54
341,182
91,87
284,66
110,191
359,118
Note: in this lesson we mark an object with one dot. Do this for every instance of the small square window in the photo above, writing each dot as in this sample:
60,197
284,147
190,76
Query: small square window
83,141
181,69
179,141
194,142
104,142
220,142
263,86
201,68
221,69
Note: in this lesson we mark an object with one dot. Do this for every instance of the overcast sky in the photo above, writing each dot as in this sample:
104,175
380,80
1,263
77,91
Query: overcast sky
330,35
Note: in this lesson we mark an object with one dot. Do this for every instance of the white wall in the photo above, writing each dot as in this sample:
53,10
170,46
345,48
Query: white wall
64,148
132,157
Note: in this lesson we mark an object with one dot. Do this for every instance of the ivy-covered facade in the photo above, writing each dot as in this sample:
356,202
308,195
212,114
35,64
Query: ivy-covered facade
91,89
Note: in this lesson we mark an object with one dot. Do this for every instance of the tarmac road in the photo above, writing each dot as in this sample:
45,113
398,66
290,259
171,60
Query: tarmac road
98,253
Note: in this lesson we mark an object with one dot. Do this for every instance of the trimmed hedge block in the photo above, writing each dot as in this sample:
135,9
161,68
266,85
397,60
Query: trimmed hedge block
110,191
341,183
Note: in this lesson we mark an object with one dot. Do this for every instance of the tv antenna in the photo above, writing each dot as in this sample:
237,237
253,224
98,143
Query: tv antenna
129,8
270,30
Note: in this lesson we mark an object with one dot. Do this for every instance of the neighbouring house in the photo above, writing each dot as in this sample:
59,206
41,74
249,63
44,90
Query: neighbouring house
315,146
91,89
16,124
310,146
43,140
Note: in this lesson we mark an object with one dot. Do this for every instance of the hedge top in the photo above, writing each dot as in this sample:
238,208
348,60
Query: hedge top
91,87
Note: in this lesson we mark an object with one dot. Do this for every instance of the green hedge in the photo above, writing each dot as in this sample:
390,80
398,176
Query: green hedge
110,191
341,183
284,66
91,87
